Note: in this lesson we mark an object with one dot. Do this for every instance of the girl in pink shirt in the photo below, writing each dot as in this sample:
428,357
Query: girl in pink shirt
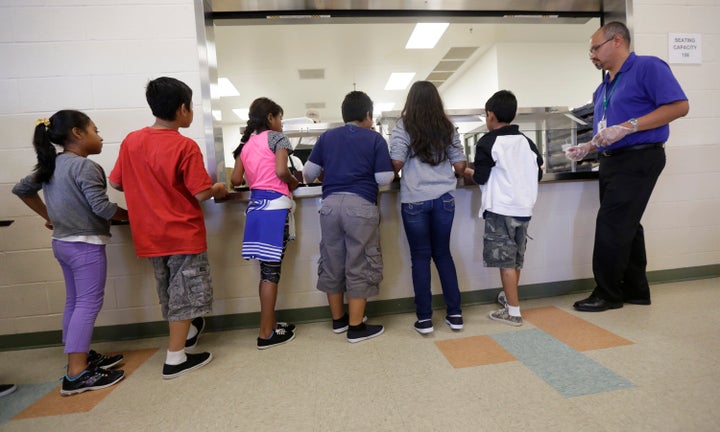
261,159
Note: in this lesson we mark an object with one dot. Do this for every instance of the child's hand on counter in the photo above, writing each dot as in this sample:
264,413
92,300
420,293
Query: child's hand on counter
219,191
468,176
294,183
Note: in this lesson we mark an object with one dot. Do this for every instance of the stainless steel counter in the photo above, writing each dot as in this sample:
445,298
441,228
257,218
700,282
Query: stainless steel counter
315,190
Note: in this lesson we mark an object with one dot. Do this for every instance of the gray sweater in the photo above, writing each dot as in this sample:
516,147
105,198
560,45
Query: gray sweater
76,197
421,181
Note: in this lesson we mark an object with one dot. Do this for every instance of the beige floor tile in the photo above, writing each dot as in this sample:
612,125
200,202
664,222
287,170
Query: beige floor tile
402,381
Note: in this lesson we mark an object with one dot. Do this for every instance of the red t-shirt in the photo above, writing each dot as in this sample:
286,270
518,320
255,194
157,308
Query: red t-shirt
161,171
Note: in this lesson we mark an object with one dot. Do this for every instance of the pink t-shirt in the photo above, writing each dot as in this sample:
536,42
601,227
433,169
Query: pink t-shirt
258,159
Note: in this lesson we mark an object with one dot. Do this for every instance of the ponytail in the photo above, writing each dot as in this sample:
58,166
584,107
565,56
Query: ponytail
46,153
257,121
55,130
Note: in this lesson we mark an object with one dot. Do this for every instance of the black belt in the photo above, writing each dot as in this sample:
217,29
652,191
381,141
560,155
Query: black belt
614,152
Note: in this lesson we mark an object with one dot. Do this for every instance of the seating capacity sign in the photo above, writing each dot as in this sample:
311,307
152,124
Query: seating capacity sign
685,48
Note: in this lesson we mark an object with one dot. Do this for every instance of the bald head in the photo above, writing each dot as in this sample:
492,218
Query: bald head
616,28
610,47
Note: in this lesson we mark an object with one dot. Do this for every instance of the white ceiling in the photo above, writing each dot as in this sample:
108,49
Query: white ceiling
263,60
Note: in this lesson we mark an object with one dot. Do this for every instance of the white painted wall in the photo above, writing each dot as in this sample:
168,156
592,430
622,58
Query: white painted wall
544,74
540,74
96,55
474,84
682,228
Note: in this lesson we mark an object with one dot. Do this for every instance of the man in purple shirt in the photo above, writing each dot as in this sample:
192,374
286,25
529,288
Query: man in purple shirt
635,103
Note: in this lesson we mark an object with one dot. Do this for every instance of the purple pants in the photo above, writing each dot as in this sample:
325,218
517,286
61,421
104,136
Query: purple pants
84,266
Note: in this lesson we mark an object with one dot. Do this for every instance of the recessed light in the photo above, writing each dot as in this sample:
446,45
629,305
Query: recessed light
242,113
426,35
382,107
226,88
399,80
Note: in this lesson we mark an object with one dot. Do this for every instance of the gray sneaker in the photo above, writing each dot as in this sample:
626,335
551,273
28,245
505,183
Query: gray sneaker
503,316
502,299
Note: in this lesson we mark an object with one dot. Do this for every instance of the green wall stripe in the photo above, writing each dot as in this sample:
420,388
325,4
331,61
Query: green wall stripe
321,313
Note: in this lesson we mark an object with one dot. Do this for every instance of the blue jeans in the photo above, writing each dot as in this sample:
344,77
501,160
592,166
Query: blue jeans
427,227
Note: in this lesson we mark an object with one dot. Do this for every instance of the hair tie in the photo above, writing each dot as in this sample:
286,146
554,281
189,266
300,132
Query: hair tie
44,121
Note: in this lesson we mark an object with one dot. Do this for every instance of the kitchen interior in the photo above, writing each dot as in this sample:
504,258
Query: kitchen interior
308,63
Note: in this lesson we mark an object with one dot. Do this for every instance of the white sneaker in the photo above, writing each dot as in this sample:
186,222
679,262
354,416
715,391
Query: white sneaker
502,299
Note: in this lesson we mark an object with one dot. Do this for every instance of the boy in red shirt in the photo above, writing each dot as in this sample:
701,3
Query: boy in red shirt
164,179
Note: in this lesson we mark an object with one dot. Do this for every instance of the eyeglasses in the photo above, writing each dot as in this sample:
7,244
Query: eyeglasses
594,48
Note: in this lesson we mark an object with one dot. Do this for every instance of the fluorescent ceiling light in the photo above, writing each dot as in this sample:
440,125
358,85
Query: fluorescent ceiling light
426,35
217,115
399,80
382,107
226,88
242,113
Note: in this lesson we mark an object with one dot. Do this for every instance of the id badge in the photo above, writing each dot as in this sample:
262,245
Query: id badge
602,124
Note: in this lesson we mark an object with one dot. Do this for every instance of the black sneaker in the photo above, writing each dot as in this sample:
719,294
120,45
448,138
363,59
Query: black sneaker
91,379
364,332
6,389
199,324
285,326
424,326
97,360
279,337
455,322
194,361
341,325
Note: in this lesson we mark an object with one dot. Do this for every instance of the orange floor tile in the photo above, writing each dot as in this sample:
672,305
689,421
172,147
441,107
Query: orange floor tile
573,331
473,351
54,404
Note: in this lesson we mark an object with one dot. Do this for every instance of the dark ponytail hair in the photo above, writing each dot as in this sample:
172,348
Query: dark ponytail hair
56,130
258,119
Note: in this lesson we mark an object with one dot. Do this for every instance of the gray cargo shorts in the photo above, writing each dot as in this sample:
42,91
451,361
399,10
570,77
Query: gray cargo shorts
504,241
184,285
350,257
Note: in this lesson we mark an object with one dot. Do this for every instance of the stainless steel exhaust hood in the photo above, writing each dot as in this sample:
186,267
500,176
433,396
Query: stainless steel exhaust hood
511,7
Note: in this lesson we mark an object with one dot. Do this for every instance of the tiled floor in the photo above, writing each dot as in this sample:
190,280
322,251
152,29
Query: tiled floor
638,368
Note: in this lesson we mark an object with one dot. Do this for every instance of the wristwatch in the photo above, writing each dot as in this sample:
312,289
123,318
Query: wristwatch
634,123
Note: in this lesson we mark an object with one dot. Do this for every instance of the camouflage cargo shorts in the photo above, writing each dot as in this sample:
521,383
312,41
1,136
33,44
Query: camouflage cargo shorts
184,285
504,241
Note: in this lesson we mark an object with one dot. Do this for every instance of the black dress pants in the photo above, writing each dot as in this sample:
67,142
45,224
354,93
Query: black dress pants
626,182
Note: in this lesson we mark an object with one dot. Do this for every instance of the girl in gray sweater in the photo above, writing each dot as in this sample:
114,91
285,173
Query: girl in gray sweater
78,211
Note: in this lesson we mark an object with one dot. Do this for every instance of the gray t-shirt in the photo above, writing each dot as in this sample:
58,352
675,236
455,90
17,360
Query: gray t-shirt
421,181
76,197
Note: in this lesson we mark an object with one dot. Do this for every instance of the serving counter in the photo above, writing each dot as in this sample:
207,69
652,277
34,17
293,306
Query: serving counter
566,202
315,190
560,250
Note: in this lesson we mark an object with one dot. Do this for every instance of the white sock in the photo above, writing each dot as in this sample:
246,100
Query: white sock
174,358
513,310
192,332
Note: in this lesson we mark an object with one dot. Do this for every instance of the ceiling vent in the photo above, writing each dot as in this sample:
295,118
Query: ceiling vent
311,73
459,53
450,63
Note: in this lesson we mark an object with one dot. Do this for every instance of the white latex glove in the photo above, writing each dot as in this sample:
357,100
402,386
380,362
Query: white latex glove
610,135
578,152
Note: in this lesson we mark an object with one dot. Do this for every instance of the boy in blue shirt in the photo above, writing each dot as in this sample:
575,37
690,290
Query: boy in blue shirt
353,160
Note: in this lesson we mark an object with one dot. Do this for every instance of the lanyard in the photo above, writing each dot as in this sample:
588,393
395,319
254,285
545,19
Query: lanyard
607,96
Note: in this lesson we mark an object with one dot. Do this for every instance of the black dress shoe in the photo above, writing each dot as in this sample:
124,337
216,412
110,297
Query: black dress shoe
596,304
